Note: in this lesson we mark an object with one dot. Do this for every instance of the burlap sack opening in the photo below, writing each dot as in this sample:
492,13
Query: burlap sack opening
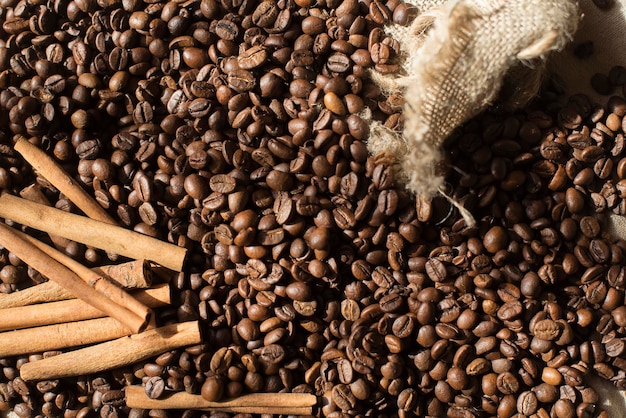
456,55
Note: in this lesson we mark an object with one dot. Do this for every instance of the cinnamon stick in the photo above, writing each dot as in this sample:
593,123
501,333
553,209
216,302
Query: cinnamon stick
97,281
132,275
254,403
113,354
94,233
49,291
58,336
56,271
60,179
34,194
71,310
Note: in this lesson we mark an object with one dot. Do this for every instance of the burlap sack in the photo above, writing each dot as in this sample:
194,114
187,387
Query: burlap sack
456,55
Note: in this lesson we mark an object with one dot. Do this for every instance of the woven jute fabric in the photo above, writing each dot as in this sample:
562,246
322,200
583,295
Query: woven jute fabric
456,56
424,5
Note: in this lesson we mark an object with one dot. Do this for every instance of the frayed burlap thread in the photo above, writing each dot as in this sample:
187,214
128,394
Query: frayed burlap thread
455,58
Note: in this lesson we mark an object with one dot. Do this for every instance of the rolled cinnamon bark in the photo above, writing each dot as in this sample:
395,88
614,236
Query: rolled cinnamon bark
132,275
71,310
58,336
51,171
49,291
98,281
94,233
254,403
56,271
113,354
34,194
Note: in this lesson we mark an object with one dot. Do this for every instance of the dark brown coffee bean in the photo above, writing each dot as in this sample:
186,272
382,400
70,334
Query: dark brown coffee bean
155,387
345,372
507,383
313,25
563,408
404,326
196,186
547,329
113,397
436,270
338,62
212,389
252,58
241,80
265,14
596,292
342,396
615,347
510,310
527,403
589,226
571,376
546,392
477,367
379,12
298,291
279,180
391,303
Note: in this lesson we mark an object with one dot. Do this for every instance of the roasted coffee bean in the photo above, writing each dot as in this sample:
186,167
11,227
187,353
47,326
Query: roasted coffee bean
253,57
436,270
391,303
241,80
212,389
155,387
342,396
527,403
345,371
564,408
507,383
547,329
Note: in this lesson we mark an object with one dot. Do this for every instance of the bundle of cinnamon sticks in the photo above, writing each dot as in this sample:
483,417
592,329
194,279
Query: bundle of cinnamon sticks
107,310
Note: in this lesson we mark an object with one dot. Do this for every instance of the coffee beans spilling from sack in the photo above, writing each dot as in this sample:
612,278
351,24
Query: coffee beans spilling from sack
233,128
458,57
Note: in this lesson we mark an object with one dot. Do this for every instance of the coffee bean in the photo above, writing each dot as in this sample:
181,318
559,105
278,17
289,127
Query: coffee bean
155,387
345,372
547,329
212,389
241,80
407,400
527,403
614,347
253,57
436,270
338,62
404,326
265,14
343,397
507,383
477,366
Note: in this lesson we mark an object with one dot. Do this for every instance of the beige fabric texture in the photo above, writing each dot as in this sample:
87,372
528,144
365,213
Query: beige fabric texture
455,69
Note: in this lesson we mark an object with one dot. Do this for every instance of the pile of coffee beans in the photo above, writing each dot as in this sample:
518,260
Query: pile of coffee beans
233,128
